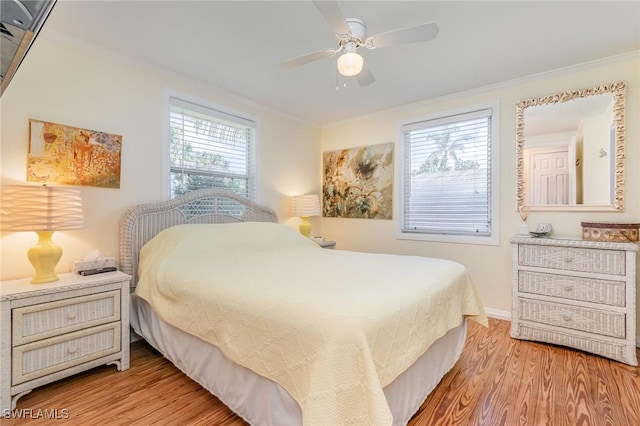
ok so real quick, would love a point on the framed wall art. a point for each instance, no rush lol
(73, 156)
(358, 182)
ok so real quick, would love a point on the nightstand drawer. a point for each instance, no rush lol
(573, 259)
(574, 317)
(573, 288)
(48, 356)
(37, 322)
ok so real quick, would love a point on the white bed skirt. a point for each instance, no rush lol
(260, 401)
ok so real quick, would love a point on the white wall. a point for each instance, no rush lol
(71, 84)
(490, 266)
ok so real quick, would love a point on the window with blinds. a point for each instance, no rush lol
(210, 148)
(447, 175)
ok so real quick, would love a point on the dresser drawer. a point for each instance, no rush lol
(574, 288)
(48, 356)
(32, 323)
(614, 350)
(574, 317)
(573, 259)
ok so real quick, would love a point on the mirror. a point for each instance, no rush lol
(570, 150)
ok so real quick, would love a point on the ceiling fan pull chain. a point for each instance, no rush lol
(344, 83)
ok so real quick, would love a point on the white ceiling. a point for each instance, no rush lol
(239, 45)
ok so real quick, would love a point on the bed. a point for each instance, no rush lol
(282, 331)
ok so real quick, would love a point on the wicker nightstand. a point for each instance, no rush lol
(54, 330)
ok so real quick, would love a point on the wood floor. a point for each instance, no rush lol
(497, 381)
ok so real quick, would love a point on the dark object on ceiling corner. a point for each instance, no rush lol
(20, 22)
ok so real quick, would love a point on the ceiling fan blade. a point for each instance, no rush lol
(333, 15)
(365, 78)
(309, 57)
(424, 32)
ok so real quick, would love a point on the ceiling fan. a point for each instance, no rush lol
(350, 34)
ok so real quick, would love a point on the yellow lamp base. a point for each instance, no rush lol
(305, 227)
(44, 257)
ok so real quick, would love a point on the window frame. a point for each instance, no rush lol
(222, 111)
(494, 205)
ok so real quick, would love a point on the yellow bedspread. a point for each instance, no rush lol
(332, 327)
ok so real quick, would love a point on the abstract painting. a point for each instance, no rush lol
(358, 182)
(73, 156)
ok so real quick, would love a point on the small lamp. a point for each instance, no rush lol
(43, 209)
(305, 206)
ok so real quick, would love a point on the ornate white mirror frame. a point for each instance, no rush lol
(618, 90)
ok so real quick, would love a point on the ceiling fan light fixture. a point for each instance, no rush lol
(350, 64)
(351, 34)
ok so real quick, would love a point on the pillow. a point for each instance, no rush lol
(228, 237)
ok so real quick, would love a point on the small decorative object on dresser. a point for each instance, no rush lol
(610, 231)
(326, 244)
(524, 226)
(543, 230)
(576, 293)
(546, 228)
(58, 329)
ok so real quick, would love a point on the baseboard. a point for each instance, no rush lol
(498, 314)
(637, 341)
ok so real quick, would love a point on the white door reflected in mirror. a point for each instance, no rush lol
(553, 180)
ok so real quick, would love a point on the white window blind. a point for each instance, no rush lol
(210, 148)
(447, 175)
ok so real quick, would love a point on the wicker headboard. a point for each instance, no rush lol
(143, 222)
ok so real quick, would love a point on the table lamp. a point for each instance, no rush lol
(43, 209)
(305, 206)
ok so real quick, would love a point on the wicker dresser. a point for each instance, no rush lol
(576, 293)
(53, 330)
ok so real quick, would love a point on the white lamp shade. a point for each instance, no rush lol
(41, 208)
(350, 64)
(305, 205)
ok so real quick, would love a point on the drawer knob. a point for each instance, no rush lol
(568, 288)
(566, 317)
(71, 314)
(72, 349)
(568, 260)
